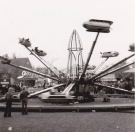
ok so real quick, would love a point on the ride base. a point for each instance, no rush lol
(36, 105)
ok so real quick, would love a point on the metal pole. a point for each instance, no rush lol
(89, 56)
(78, 64)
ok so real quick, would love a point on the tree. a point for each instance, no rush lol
(14, 56)
(6, 56)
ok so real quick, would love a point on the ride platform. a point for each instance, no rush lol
(36, 105)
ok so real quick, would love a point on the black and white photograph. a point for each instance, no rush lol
(67, 66)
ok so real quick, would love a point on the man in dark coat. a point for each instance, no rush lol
(8, 98)
(24, 98)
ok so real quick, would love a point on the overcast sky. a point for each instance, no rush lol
(49, 24)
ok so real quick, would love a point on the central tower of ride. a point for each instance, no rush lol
(75, 58)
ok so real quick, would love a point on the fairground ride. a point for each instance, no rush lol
(76, 69)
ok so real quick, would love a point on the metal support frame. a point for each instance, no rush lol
(74, 48)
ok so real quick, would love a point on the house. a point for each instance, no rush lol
(15, 72)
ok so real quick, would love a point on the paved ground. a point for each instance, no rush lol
(120, 121)
(69, 122)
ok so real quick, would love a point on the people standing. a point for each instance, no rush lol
(8, 98)
(44, 84)
(24, 98)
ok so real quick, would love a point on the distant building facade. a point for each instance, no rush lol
(15, 72)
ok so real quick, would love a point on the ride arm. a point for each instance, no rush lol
(114, 70)
(89, 56)
(68, 88)
(110, 87)
(45, 90)
(49, 66)
(112, 66)
(33, 71)
(8, 62)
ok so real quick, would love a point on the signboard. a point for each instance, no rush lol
(4, 79)
(4, 82)
(30, 75)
